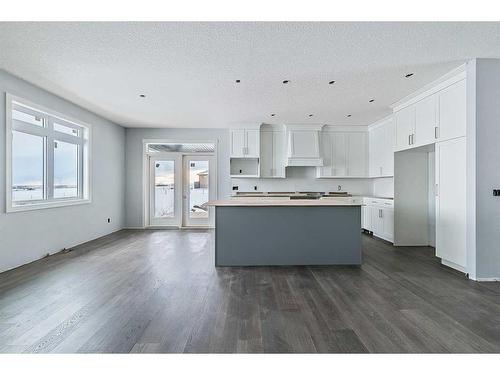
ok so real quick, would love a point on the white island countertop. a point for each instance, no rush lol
(266, 202)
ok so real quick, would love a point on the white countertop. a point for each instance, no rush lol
(266, 202)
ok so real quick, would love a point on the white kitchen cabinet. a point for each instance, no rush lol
(366, 221)
(356, 154)
(339, 154)
(451, 202)
(238, 143)
(344, 154)
(452, 111)
(245, 143)
(380, 217)
(381, 149)
(272, 154)
(405, 127)
(252, 143)
(426, 118)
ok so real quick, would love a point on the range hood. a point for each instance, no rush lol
(302, 146)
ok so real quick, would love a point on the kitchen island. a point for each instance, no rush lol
(284, 232)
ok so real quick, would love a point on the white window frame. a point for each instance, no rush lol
(83, 140)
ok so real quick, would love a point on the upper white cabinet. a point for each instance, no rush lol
(436, 115)
(272, 154)
(245, 143)
(426, 118)
(344, 154)
(452, 111)
(405, 127)
(381, 148)
(356, 154)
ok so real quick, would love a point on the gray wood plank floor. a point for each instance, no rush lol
(158, 291)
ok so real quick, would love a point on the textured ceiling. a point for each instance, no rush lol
(188, 70)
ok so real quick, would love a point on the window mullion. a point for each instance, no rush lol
(50, 160)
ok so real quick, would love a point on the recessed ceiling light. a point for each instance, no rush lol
(371, 100)
(286, 81)
(408, 75)
(349, 115)
(142, 95)
(331, 82)
(238, 81)
(311, 115)
(273, 114)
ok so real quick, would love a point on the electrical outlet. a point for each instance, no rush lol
(109, 220)
(339, 187)
(255, 187)
(235, 187)
(496, 192)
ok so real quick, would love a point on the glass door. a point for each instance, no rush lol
(165, 190)
(199, 188)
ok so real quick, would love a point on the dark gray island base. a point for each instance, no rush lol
(288, 235)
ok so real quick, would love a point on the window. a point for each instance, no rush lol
(47, 158)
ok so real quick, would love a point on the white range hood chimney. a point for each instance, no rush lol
(302, 147)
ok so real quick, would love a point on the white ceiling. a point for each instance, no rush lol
(188, 70)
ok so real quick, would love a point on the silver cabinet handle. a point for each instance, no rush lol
(409, 139)
(436, 135)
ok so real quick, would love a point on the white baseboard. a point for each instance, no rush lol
(488, 279)
(453, 265)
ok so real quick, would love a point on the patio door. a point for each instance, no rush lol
(199, 186)
(165, 197)
(180, 187)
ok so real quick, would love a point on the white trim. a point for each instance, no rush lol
(380, 123)
(146, 174)
(345, 129)
(439, 84)
(83, 141)
(453, 265)
(483, 279)
(48, 204)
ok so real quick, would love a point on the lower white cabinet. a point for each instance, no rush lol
(377, 216)
(451, 202)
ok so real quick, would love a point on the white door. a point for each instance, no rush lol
(356, 154)
(388, 223)
(326, 153)
(405, 125)
(452, 111)
(238, 143)
(387, 148)
(426, 120)
(252, 143)
(450, 201)
(165, 205)
(376, 220)
(266, 154)
(278, 154)
(366, 218)
(339, 160)
(199, 186)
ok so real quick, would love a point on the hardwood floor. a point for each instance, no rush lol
(158, 291)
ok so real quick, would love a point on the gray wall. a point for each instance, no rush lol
(487, 82)
(27, 236)
(134, 164)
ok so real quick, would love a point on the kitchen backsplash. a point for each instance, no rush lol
(303, 179)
